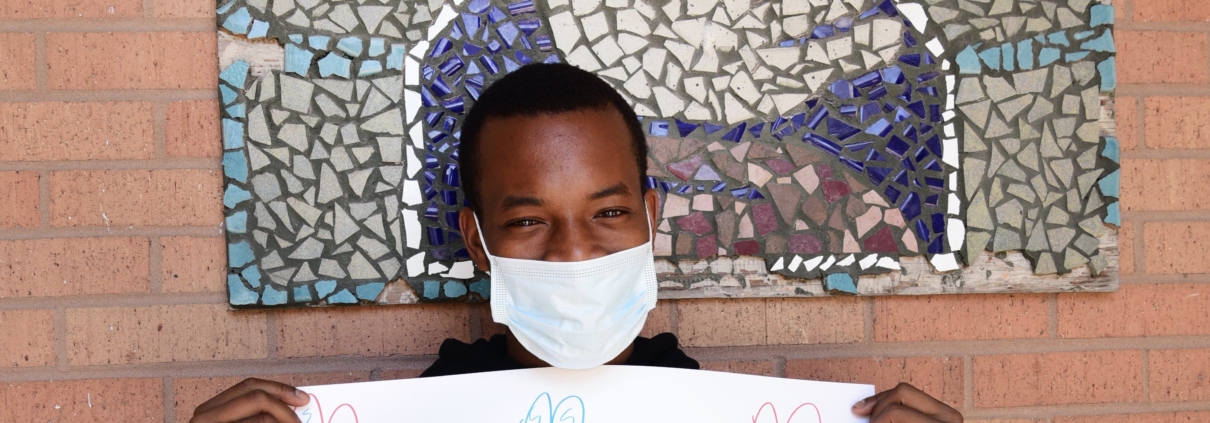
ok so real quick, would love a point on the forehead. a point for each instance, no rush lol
(581, 141)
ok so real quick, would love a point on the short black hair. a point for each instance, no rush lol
(541, 89)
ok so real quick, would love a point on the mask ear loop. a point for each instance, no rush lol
(479, 231)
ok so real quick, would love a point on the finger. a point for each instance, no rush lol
(866, 406)
(899, 413)
(286, 393)
(260, 418)
(913, 398)
(249, 405)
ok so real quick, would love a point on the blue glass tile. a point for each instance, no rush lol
(238, 294)
(930, 91)
(229, 95)
(853, 164)
(236, 74)
(968, 62)
(711, 128)
(1009, 56)
(901, 178)
(469, 49)
(922, 230)
(868, 80)
(873, 11)
(817, 118)
(841, 282)
(377, 47)
(334, 64)
(1059, 38)
(934, 145)
(911, 133)
(1048, 55)
(302, 294)
(877, 174)
(991, 58)
(848, 110)
(897, 146)
(451, 66)
(844, 90)
(1083, 34)
(1113, 214)
(1102, 43)
(798, 119)
(259, 29)
(1112, 150)
(918, 109)
(931, 201)
(823, 31)
(370, 291)
(509, 65)
(901, 115)
(841, 130)
(522, 57)
(911, 59)
(908, 39)
(342, 297)
(844, 23)
(868, 111)
(252, 275)
(719, 187)
(495, 15)
(272, 296)
(1102, 14)
(1025, 54)
(1111, 184)
(893, 75)
(454, 289)
(225, 8)
(319, 42)
(323, 288)
(472, 23)
(1108, 70)
(892, 193)
(544, 44)
(451, 175)
(351, 46)
(369, 67)
(454, 104)
(296, 38)
(395, 59)
(735, 134)
(934, 183)
(756, 129)
(238, 22)
(236, 110)
(521, 7)
(934, 165)
(235, 166)
(239, 254)
(235, 195)
(874, 156)
(432, 289)
(483, 287)
(877, 93)
(823, 143)
(233, 134)
(659, 128)
(440, 47)
(911, 206)
(441, 88)
(1076, 56)
(685, 128)
(456, 31)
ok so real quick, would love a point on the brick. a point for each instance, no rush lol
(1172, 11)
(1177, 122)
(193, 264)
(1081, 377)
(1179, 375)
(1156, 57)
(17, 61)
(488, 328)
(1126, 116)
(137, 197)
(193, 129)
(940, 377)
(1176, 247)
(188, 393)
(750, 367)
(814, 320)
(370, 331)
(959, 317)
(99, 400)
(721, 322)
(59, 9)
(183, 9)
(131, 60)
(28, 338)
(161, 334)
(400, 374)
(1168, 417)
(1173, 309)
(19, 199)
(96, 130)
(1165, 185)
(1126, 248)
(1005, 421)
(659, 320)
(70, 266)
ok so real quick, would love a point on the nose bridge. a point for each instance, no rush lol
(570, 240)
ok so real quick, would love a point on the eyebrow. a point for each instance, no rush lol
(618, 189)
(513, 201)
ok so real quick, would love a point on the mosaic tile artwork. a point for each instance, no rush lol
(800, 147)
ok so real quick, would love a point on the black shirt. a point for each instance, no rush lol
(457, 357)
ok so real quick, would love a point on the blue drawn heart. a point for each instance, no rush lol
(569, 410)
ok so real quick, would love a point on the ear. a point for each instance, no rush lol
(470, 235)
(652, 198)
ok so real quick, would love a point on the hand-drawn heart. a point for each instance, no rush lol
(314, 410)
(569, 410)
(771, 416)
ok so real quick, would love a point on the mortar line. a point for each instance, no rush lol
(1052, 315)
(674, 319)
(1163, 90)
(779, 366)
(1167, 216)
(1140, 123)
(1140, 248)
(43, 199)
(101, 231)
(271, 335)
(1163, 26)
(131, 164)
(169, 401)
(1146, 375)
(46, 95)
(474, 317)
(62, 363)
(159, 128)
(1127, 11)
(142, 24)
(968, 383)
(40, 60)
(1045, 411)
(868, 321)
(1165, 154)
(219, 368)
(112, 300)
(155, 266)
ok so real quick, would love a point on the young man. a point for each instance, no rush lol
(560, 217)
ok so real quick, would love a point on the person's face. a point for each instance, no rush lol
(558, 188)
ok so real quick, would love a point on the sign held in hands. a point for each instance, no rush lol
(603, 394)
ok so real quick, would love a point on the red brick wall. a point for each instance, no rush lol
(112, 306)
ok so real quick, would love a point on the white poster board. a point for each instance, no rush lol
(603, 394)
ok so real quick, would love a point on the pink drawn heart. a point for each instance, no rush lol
(306, 416)
(804, 419)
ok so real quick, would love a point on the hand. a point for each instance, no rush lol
(253, 400)
(906, 404)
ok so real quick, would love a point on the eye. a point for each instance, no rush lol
(520, 223)
(611, 213)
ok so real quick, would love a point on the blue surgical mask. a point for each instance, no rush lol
(574, 315)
